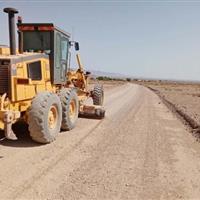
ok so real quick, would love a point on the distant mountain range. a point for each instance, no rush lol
(96, 73)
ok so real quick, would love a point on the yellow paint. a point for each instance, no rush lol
(40, 88)
(28, 90)
(19, 93)
(4, 50)
(1, 125)
(24, 89)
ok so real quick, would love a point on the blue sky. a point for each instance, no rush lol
(154, 39)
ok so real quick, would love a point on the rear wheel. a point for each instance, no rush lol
(44, 117)
(98, 95)
(70, 108)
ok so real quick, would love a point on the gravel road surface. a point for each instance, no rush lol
(139, 151)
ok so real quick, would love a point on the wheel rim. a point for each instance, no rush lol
(72, 110)
(52, 117)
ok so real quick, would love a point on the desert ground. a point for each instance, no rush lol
(140, 150)
(182, 98)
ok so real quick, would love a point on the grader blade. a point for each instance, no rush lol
(92, 111)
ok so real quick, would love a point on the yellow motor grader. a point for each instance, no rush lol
(37, 85)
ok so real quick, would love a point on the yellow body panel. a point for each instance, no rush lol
(40, 87)
(24, 92)
(1, 125)
(19, 93)
(4, 50)
(1, 121)
(23, 89)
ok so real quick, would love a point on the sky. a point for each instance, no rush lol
(138, 38)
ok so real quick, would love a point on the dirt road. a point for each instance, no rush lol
(139, 151)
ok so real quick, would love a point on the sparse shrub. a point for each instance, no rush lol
(104, 78)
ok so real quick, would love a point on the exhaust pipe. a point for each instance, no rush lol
(11, 21)
(20, 36)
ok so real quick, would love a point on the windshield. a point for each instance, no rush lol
(36, 41)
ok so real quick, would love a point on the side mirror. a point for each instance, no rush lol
(76, 45)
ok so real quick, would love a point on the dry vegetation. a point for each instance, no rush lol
(183, 98)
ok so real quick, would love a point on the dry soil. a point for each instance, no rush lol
(139, 151)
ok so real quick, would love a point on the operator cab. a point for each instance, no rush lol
(48, 39)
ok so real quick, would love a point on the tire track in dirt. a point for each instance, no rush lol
(139, 151)
(43, 167)
(101, 141)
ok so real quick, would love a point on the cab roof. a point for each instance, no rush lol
(41, 27)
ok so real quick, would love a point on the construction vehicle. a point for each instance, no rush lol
(36, 84)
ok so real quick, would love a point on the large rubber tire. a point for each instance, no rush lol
(44, 117)
(98, 95)
(70, 108)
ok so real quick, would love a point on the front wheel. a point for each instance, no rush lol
(98, 95)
